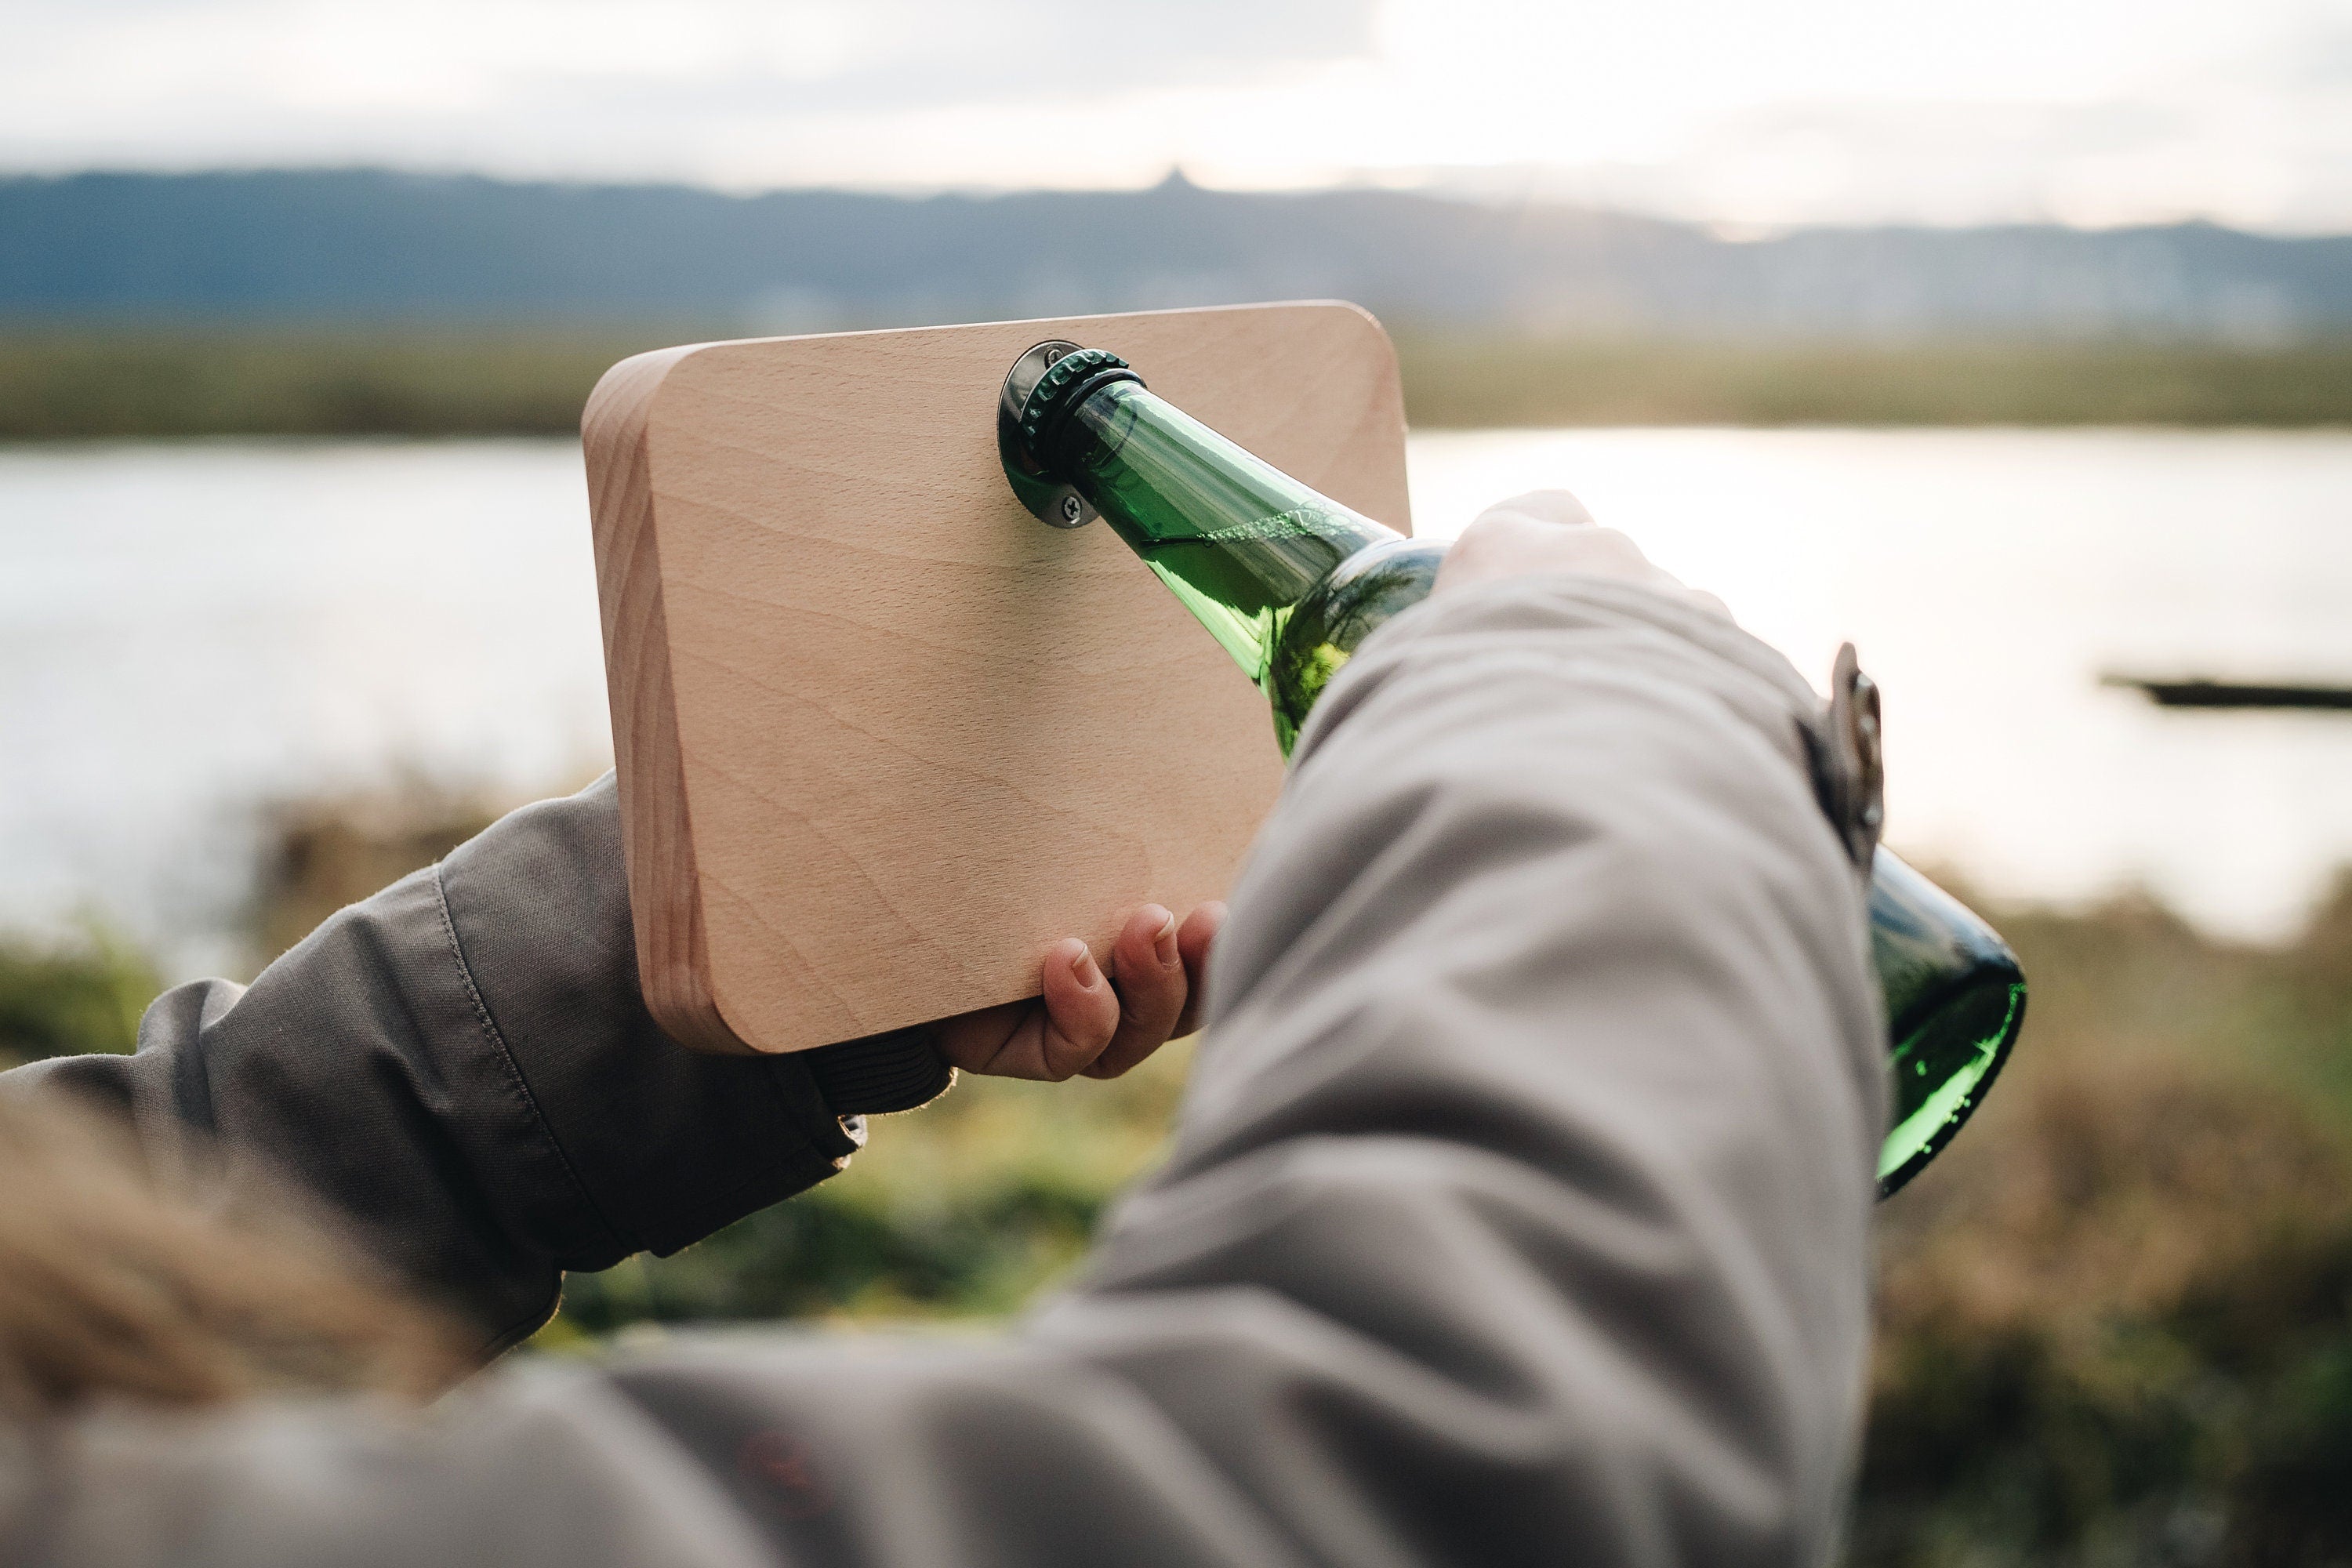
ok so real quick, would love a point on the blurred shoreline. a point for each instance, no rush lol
(59, 384)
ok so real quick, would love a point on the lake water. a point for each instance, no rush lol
(188, 631)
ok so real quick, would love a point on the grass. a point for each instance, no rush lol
(77, 994)
(963, 1210)
(58, 384)
(1474, 384)
(2114, 1321)
(2114, 1318)
(72, 385)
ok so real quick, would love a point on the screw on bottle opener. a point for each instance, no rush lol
(1049, 500)
(1850, 759)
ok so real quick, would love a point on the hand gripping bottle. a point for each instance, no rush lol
(1290, 581)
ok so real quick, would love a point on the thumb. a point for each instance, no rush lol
(1557, 507)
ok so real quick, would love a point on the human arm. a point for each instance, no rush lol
(1517, 1211)
(463, 1070)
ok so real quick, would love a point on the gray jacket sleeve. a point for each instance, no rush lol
(1517, 1211)
(463, 1069)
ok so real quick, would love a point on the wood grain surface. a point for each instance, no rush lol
(883, 737)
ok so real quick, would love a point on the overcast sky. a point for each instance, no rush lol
(1742, 112)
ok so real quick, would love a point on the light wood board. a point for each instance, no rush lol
(883, 736)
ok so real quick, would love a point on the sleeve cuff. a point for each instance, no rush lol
(879, 1074)
(662, 1144)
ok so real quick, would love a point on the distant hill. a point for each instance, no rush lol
(366, 245)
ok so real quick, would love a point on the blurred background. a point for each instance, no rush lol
(2012, 341)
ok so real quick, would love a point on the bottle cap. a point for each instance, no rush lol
(1066, 383)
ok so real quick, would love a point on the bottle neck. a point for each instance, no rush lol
(1238, 540)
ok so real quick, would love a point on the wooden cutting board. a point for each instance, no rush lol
(883, 736)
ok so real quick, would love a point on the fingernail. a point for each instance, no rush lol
(1164, 940)
(1084, 967)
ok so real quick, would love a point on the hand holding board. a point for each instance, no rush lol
(883, 736)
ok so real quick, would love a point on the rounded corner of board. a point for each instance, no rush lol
(694, 1020)
(624, 395)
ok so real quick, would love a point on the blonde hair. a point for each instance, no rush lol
(168, 1286)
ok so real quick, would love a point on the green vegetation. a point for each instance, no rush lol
(61, 384)
(1472, 383)
(2115, 1319)
(72, 997)
(964, 1209)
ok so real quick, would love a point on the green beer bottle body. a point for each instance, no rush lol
(1290, 581)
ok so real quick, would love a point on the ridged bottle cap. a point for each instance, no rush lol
(1056, 391)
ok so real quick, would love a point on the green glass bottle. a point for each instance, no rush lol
(1290, 581)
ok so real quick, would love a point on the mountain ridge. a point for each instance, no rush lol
(367, 244)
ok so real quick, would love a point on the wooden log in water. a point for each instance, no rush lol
(2198, 692)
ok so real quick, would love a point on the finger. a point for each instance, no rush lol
(1550, 531)
(1147, 971)
(970, 1041)
(1080, 1017)
(1503, 542)
(1052, 1037)
(1192, 941)
(1554, 508)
